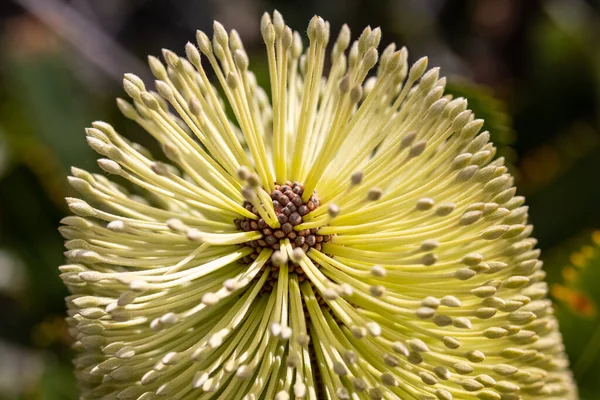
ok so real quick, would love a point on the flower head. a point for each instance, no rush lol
(349, 235)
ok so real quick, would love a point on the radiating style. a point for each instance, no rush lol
(347, 234)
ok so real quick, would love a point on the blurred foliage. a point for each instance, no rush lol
(493, 111)
(531, 69)
(578, 305)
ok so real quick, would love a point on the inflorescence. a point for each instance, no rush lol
(349, 235)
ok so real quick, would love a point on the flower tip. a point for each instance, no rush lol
(134, 79)
(279, 258)
(243, 173)
(287, 37)
(333, 210)
(91, 276)
(356, 94)
(116, 226)
(192, 53)
(209, 299)
(377, 290)
(127, 109)
(374, 194)
(248, 193)
(131, 89)
(303, 339)
(164, 90)
(244, 372)
(378, 271)
(417, 149)
(176, 225)
(159, 168)
(282, 395)
(139, 286)
(278, 22)
(241, 59)
(204, 43)
(429, 244)
(231, 285)
(418, 68)
(330, 294)
(80, 185)
(254, 180)
(268, 33)
(299, 389)
(80, 207)
(297, 255)
(171, 151)
(171, 58)
(220, 33)
(356, 178)
(425, 204)
(194, 235)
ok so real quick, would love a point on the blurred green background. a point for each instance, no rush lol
(530, 68)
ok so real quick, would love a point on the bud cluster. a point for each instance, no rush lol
(290, 209)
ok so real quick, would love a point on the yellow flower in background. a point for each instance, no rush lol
(349, 235)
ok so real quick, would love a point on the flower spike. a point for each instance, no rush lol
(352, 238)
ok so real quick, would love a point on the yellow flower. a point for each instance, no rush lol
(349, 236)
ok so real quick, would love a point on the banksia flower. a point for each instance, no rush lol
(348, 235)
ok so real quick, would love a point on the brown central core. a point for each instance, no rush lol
(290, 210)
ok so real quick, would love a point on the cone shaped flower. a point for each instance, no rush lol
(347, 235)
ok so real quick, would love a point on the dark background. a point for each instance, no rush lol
(530, 68)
